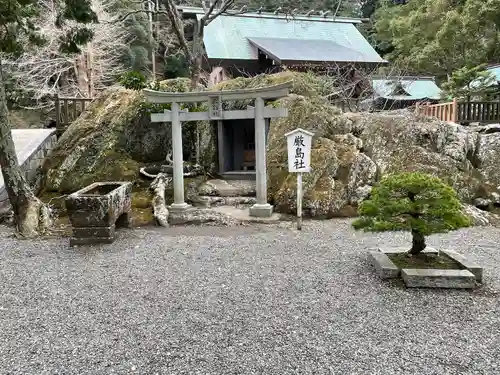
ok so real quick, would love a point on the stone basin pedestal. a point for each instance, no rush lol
(96, 210)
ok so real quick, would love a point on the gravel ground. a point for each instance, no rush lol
(246, 300)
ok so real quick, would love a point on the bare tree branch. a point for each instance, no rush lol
(178, 28)
(45, 71)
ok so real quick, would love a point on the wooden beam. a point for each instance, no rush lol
(270, 92)
(269, 112)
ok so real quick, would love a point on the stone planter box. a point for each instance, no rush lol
(467, 276)
(97, 209)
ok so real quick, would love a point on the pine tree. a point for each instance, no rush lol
(138, 55)
(469, 82)
(415, 202)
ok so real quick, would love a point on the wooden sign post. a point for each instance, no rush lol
(299, 161)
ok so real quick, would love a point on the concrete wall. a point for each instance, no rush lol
(32, 145)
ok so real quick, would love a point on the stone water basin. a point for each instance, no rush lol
(96, 210)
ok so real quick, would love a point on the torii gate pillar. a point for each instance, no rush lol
(177, 158)
(262, 208)
(215, 98)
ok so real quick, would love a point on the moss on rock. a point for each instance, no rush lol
(327, 189)
(306, 84)
(351, 151)
(114, 136)
(401, 143)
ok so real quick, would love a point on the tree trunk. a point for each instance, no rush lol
(196, 71)
(31, 216)
(418, 242)
(195, 80)
(80, 66)
(90, 71)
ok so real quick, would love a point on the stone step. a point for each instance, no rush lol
(213, 201)
(223, 188)
(239, 175)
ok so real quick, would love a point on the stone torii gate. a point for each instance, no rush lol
(216, 113)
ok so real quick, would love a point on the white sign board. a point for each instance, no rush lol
(299, 150)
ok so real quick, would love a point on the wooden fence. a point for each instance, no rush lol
(68, 110)
(483, 112)
(443, 111)
(463, 112)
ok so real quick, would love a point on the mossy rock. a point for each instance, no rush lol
(487, 156)
(327, 187)
(338, 169)
(404, 143)
(350, 152)
(114, 136)
(307, 84)
(141, 198)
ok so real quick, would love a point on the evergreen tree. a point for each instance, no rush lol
(138, 56)
(414, 202)
(469, 82)
(18, 32)
(439, 36)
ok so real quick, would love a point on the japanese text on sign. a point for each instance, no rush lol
(299, 150)
(299, 153)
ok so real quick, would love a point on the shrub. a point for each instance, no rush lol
(415, 202)
(133, 80)
(175, 67)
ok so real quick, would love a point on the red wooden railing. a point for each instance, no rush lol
(463, 112)
(443, 111)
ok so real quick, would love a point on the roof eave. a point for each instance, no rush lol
(401, 78)
(267, 52)
(295, 62)
(187, 10)
(284, 61)
(389, 97)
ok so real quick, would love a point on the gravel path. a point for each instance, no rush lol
(248, 300)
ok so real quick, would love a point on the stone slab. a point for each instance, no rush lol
(223, 188)
(86, 232)
(433, 278)
(386, 269)
(73, 241)
(476, 269)
(212, 201)
(243, 215)
(261, 210)
(400, 249)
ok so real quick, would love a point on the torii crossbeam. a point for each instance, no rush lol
(215, 99)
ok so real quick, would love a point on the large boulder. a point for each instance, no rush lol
(351, 152)
(339, 170)
(114, 136)
(341, 174)
(399, 142)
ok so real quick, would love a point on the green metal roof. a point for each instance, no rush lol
(414, 88)
(227, 36)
